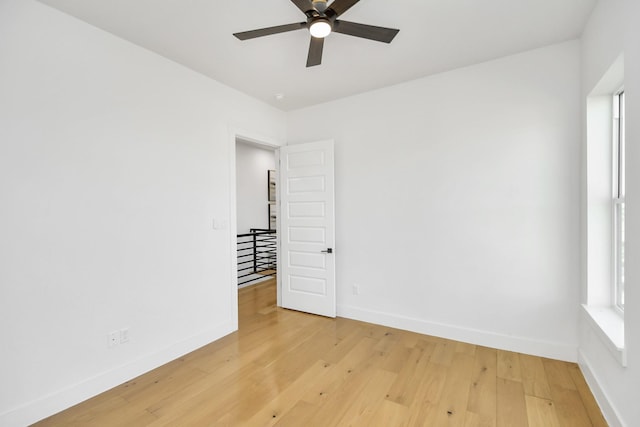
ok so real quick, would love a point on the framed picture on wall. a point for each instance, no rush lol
(271, 181)
(272, 216)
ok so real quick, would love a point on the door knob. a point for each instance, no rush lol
(327, 251)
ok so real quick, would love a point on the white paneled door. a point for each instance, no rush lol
(307, 230)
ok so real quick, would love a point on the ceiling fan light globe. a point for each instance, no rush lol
(320, 28)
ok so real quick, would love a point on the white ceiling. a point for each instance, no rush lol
(435, 36)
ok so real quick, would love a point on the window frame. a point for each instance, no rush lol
(618, 200)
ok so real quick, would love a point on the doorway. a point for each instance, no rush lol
(251, 157)
(255, 213)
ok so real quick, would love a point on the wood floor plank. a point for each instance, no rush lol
(196, 407)
(462, 347)
(566, 399)
(509, 365)
(534, 377)
(558, 373)
(412, 339)
(279, 369)
(285, 368)
(112, 411)
(302, 414)
(397, 358)
(443, 353)
(361, 411)
(452, 405)
(479, 420)
(541, 412)
(395, 351)
(589, 402)
(388, 414)
(357, 360)
(272, 412)
(344, 343)
(510, 404)
(482, 391)
(356, 381)
(404, 389)
(163, 389)
(569, 408)
(425, 404)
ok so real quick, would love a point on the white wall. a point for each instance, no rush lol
(612, 29)
(473, 175)
(252, 164)
(113, 164)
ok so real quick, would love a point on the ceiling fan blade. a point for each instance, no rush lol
(246, 35)
(306, 7)
(315, 51)
(338, 7)
(371, 32)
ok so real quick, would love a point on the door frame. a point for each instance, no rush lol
(262, 141)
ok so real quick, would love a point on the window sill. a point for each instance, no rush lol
(609, 325)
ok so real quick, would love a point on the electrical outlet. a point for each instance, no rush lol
(356, 289)
(113, 338)
(124, 335)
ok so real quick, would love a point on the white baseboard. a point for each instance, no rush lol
(608, 411)
(53, 403)
(551, 350)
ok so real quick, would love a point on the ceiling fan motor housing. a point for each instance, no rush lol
(320, 5)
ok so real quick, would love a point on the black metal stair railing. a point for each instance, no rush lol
(257, 255)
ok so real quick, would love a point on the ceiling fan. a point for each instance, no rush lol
(322, 19)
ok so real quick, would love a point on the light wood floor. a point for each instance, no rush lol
(287, 368)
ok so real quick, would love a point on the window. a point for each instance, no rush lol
(618, 198)
(604, 210)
